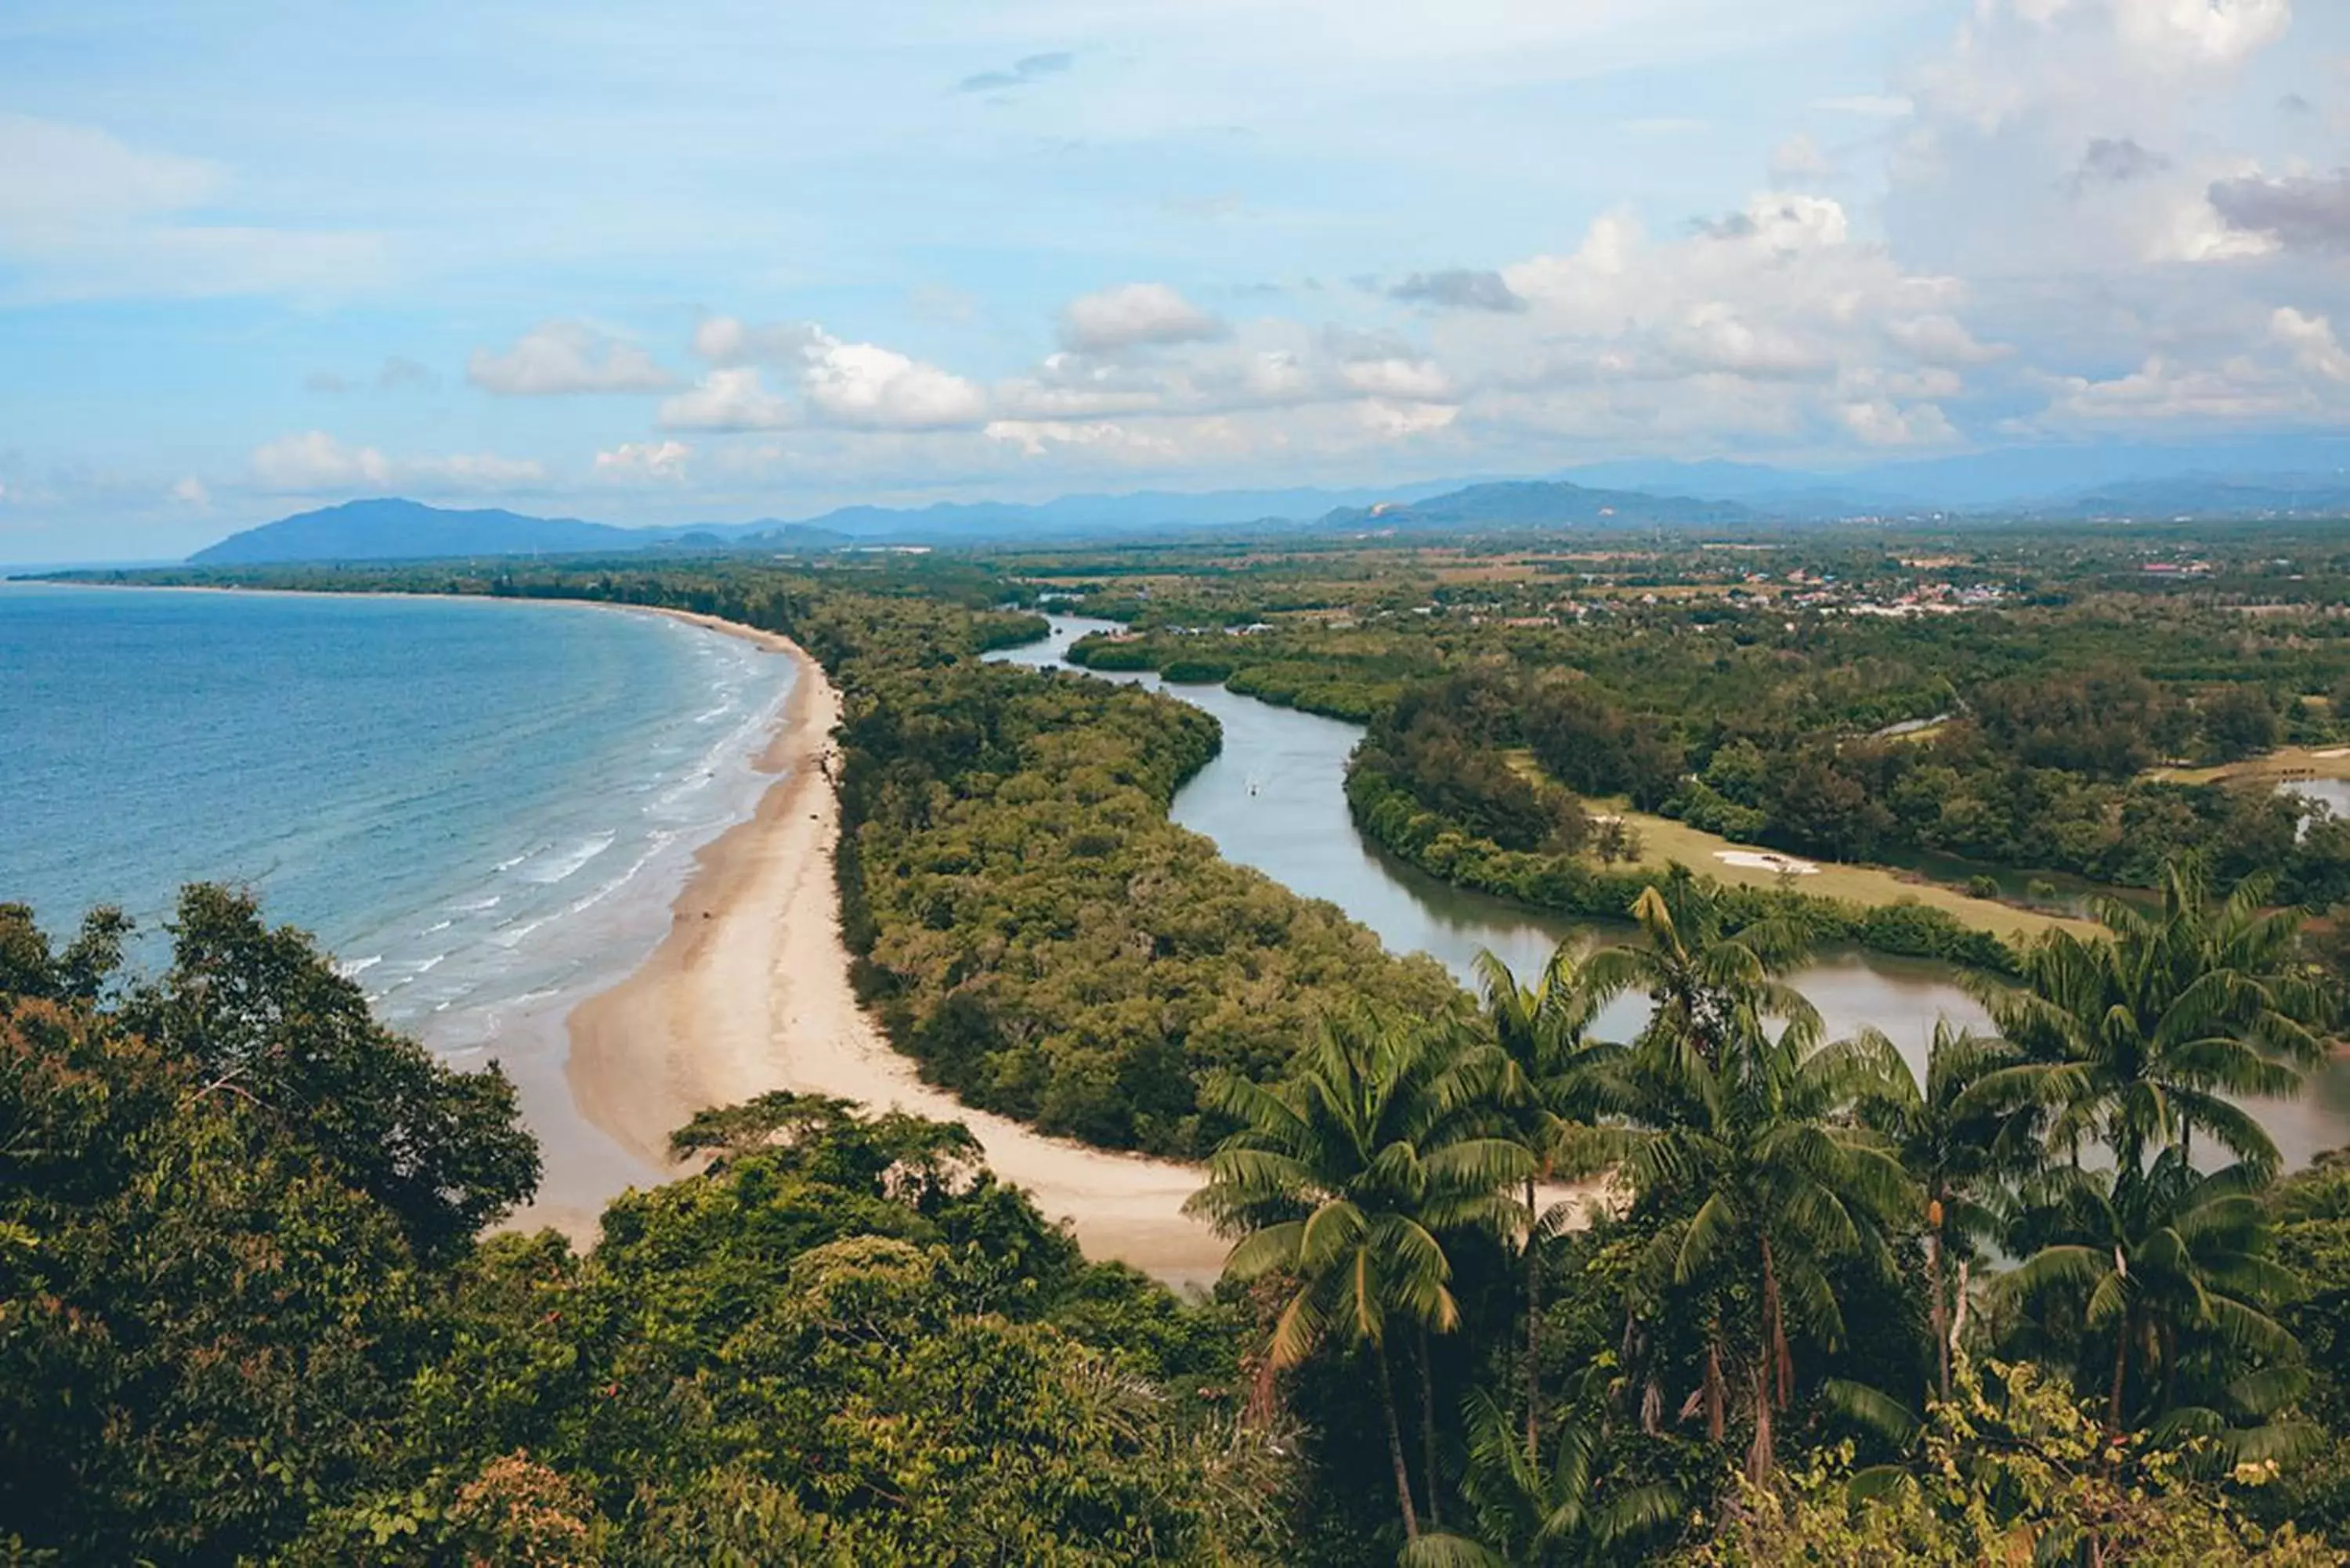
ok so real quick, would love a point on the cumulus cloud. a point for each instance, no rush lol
(1457, 288)
(729, 400)
(316, 462)
(2301, 212)
(640, 461)
(855, 385)
(866, 385)
(1132, 315)
(560, 358)
(2311, 342)
(730, 341)
(192, 492)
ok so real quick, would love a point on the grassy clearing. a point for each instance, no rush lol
(2281, 766)
(1664, 840)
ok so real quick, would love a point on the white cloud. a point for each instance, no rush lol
(563, 358)
(859, 386)
(638, 461)
(316, 462)
(1879, 422)
(1132, 315)
(728, 341)
(191, 491)
(727, 401)
(85, 215)
(863, 384)
(2311, 342)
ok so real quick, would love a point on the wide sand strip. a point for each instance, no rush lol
(749, 992)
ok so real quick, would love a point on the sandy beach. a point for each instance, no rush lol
(749, 991)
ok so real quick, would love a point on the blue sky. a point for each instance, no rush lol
(732, 260)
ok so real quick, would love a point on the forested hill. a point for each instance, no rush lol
(393, 530)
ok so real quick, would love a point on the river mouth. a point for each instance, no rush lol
(1274, 798)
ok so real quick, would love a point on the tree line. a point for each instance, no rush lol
(2033, 1304)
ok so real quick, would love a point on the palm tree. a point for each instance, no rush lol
(1345, 1178)
(1952, 1136)
(1543, 1071)
(2139, 1035)
(1700, 977)
(2168, 1272)
(1743, 1147)
(1528, 1512)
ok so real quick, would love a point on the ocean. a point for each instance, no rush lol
(482, 808)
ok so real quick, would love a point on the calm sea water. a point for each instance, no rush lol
(483, 809)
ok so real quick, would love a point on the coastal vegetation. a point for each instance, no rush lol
(1828, 1312)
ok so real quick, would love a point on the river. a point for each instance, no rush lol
(1274, 798)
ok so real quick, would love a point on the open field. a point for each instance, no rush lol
(1664, 840)
(2281, 766)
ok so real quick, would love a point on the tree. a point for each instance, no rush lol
(1528, 1512)
(1745, 1161)
(1700, 977)
(2007, 1470)
(1342, 1180)
(1543, 1087)
(2162, 1273)
(262, 1019)
(2139, 1036)
(1950, 1136)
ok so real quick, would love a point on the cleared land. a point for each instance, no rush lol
(2281, 766)
(1664, 840)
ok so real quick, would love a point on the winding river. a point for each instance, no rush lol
(1274, 798)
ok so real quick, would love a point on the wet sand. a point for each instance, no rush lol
(749, 991)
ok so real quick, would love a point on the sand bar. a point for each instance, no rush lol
(750, 992)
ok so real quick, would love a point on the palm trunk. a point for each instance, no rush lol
(1533, 1335)
(1763, 1457)
(1427, 1426)
(1941, 1308)
(1782, 1361)
(1715, 1400)
(1395, 1444)
(2121, 1370)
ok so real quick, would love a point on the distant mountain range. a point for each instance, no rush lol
(2057, 484)
(1538, 504)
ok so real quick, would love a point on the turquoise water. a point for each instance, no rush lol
(483, 809)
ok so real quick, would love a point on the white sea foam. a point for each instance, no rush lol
(564, 864)
(351, 968)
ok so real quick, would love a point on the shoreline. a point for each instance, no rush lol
(749, 991)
